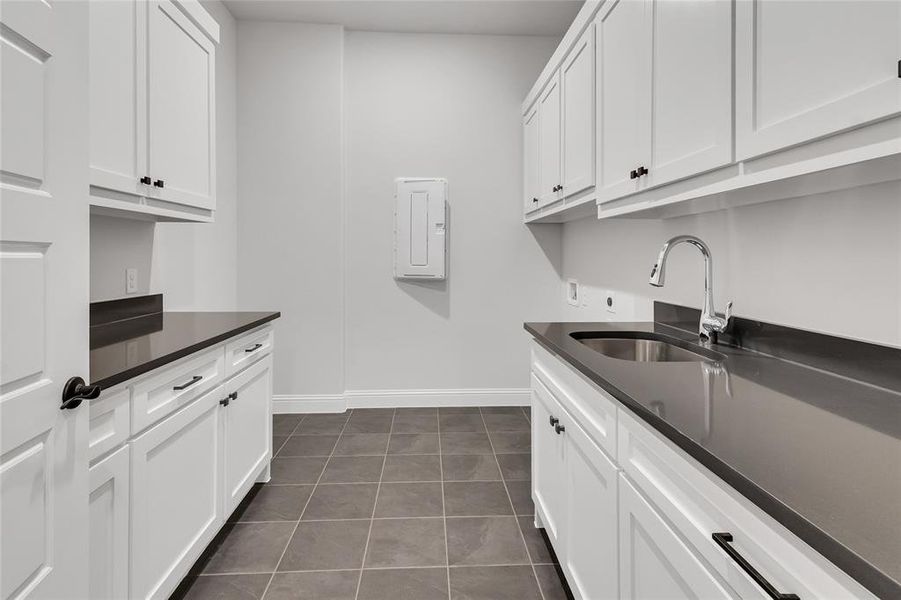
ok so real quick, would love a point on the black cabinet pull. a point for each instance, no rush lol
(75, 391)
(554, 421)
(183, 386)
(225, 401)
(559, 428)
(159, 183)
(233, 395)
(642, 171)
(534, 199)
(633, 174)
(145, 180)
(722, 540)
(254, 349)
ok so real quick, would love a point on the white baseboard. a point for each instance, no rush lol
(290, 404)
(401, 399)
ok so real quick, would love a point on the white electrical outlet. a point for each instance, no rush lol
(610, 301)
(573, 294)
(131, 281)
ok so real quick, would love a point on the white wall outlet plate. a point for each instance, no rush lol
(610, 301)
(573, 293)
(131, 281)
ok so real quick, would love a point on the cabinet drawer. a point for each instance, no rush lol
(108, 422)
(594, 410)
(247, 349)
(699, 504)
(174, 386)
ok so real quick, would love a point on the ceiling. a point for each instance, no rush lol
(500, 17)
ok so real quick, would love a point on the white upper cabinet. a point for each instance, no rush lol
(625, 90)
(578, 86)
(181, 110)
(844, 74)
(152, 74)
(549, 172)
(531, 187)
(118, 94)
(665, 93)
(691, 83)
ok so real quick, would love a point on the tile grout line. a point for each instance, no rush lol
(378, 490)
(443, 506)
(512, 507)
(306, 504)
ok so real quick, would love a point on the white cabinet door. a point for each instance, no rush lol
(624, 43)
(43, 298)
(692, 89)
(530, 140)
(108, 527)
(549, 178)
(578, 85)
(790, 87)
(548, 462)
(246, 422)
(176, 508)
(653, 561)
(118, 85)
(181, 111)
(590, 557)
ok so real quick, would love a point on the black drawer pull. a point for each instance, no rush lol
(145, 180)
(554, 421)
(633, 174)
(183, 386)
(159, 183)
(722, 540)
(254, 349)
(559, 428)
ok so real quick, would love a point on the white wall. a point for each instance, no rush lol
(192, 265)
(829, 263)
(289, 178)
(443, 106)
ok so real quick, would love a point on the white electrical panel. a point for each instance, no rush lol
(420, 228)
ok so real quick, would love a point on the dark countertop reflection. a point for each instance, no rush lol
(818, 451)
(124, 349)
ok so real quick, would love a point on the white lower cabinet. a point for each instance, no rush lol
(630, 515)
(654, 561)
(589, 550)
(108, 527)
(163, 483)
(246, 426)
(176, 507)
(548, 475)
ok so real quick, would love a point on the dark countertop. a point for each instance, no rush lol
(818, 451)
(127, 348)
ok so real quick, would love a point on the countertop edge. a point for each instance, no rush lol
(855, 566)
(131, 373)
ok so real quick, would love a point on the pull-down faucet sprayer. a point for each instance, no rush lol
(710, 323)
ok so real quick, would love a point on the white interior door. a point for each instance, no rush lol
(43, 298)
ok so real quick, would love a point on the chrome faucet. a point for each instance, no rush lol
(710, 323)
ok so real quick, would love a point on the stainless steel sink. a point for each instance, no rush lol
(644, 347)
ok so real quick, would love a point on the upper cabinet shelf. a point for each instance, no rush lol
(153, 135)
(700, 105)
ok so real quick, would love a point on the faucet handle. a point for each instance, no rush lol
(728, 312)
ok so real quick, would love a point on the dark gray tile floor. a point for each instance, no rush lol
(379, 504)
